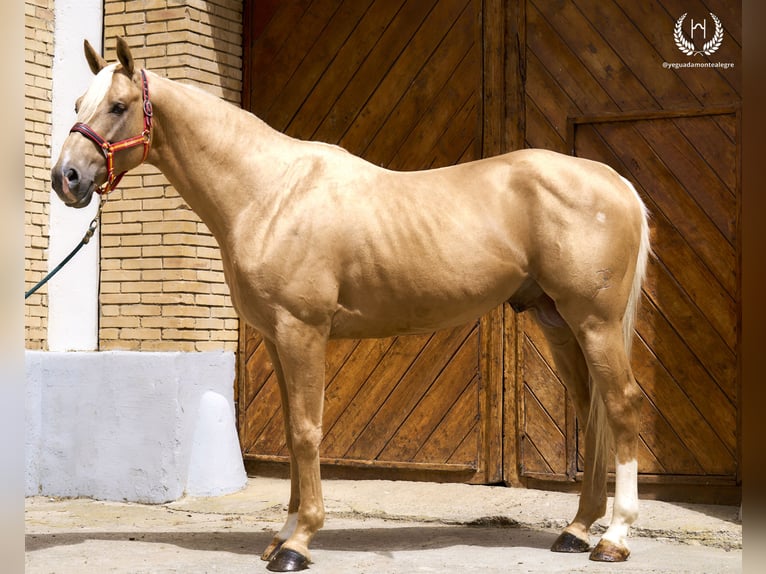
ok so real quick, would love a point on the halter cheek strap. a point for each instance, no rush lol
(109, 148)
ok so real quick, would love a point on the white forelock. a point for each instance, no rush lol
(95, 93)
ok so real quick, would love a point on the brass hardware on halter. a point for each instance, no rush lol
(108, 148)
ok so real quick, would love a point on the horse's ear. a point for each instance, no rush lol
(124, 56)
(95, 61)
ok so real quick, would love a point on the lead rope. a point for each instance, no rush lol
(86, 238)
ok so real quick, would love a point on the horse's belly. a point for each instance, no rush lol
(348, 324)
(412, 309)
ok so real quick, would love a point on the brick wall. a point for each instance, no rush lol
(38, 62)
(162, 285)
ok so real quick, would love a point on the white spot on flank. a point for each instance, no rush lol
(96, 92)
(601, 217)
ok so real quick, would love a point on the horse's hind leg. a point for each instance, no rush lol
(295, 498)
(604, 349)
(573, 370)
(301, 353)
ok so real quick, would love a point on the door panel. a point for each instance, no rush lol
(413, 84)
(596, 87)
(685, 350)
(399, 83)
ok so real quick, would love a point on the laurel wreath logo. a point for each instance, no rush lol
(687, 46)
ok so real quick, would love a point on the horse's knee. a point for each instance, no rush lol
(305, 441)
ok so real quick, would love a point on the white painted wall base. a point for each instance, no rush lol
(135, 426)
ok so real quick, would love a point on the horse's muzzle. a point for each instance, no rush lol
(71, 187)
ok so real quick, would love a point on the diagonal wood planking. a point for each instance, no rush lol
(592, 58)
(377, 77)
(398, 82)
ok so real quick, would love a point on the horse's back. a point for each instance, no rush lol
(398, 252)
(432, 248)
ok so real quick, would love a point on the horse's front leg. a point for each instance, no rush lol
(295, 498)
(301, 352)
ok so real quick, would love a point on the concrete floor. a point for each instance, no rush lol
(375, 527)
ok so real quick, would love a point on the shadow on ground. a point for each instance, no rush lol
(374, 540)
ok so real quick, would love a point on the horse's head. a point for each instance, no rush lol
(112, 132)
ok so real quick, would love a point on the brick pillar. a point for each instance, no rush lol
(162, 285)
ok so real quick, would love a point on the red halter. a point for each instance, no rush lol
(108, 148)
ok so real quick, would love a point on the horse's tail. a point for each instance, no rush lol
(642, 258)
(597, 415)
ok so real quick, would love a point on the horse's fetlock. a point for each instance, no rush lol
(312, 517)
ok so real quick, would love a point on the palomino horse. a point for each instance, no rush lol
(318, 243)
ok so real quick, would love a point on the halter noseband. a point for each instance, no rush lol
(108, 148)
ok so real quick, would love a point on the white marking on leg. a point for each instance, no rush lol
(625, 510)
(289, 527)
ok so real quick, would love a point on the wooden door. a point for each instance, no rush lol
(422, 83)
(596, 86)
(401, 83)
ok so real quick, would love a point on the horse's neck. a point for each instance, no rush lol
(219, 158)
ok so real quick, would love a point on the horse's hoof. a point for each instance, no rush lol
(286, 560)
(568, 542)
(272, 550)
(606, 551)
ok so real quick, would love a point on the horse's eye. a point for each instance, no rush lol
(118, 108)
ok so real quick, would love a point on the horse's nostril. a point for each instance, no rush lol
(72, 176)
